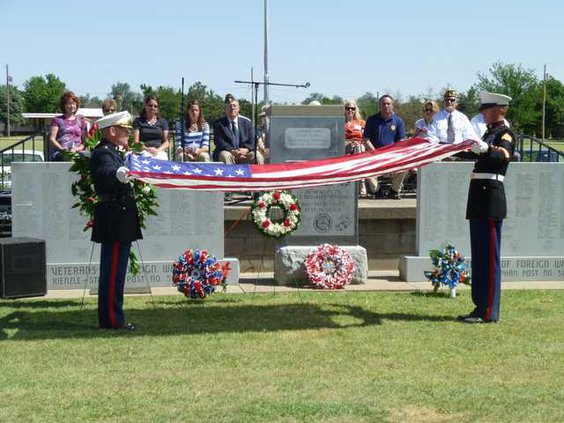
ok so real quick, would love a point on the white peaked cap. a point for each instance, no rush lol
(122, 119)
(494, 99)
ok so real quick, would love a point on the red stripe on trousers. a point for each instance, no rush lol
(493, 249)
(112, 284)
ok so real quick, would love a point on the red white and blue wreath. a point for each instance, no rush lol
(270, 226)
(329, 267)
(450, 268)
(196, 273)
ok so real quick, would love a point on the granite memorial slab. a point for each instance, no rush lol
(42, 208)
(532, 245)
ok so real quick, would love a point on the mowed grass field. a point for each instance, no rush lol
(285, 357)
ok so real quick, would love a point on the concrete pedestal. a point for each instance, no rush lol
(289, 264)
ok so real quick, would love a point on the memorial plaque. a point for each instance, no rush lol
(532, 243)
(42, 208)
(298, 133)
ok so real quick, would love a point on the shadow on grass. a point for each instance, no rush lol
(191, 318)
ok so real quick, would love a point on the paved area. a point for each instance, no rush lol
(377, 281)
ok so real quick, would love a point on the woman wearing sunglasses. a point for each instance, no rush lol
(151, 130)
(354, 128)
(430, 108)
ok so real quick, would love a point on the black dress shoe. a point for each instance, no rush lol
(477, 319)
(465, 316)
(393, 195)
(379, 194)
(130, 327)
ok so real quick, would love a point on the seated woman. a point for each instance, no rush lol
(430, 109)
(354, 127)
(68, 132)
(151, 130)
(193, 143)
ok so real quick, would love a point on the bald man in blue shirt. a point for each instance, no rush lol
(385, 128)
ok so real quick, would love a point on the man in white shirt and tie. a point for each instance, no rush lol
(450, 126)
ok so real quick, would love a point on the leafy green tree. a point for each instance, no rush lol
(16, 107)
(323, 99)
(126, 98)
(43, 94)
(87, 101)
(522, 86)
(554, 108)
(469, 102)
(368, 104)
(409, 111)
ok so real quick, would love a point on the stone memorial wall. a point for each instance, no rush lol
(532, 245)
(42, 208)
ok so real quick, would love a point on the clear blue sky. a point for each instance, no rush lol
(341, 48)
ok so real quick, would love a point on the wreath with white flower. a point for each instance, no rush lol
(196, 273)
(329, 267)
(450, 268)
(276, 227)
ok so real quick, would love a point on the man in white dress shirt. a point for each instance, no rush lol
(449, 125)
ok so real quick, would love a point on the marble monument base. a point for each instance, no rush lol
(513, 269)
(151, 274)
(289, 264)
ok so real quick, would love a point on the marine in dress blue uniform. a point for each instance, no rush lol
(116, 218)
(487, 207)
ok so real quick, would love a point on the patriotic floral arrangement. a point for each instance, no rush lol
(329, 267)
(270, 226)
(83, 189)
(196, 273)
(450, 268)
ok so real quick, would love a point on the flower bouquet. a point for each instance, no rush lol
(196, 273)
(329, 267)
(450, 269)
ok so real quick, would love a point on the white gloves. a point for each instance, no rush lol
(122, 175)
(480, 147)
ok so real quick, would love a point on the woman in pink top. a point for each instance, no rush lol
(68, 132)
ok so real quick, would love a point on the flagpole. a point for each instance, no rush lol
(7, 101)
(266, 77)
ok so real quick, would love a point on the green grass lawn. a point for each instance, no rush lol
(295, 357)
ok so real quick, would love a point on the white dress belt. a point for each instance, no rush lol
(492, 176)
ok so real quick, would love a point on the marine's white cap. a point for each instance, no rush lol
(488, 99)
(122, 119)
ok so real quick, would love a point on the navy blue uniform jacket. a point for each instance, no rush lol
(116, 217)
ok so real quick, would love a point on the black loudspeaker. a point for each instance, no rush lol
(22, 268)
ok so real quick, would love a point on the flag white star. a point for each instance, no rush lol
(239, 172)
(219, 172)
(198, 170)
(175, 167)
(145, 162)
(157, 167)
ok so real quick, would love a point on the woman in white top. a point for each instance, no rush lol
(430, 109)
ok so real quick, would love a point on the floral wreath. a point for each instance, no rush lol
(280, 227)
(329, 267)
(83, 188)
(196, 273)
(450, 268)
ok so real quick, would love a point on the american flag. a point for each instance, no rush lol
(398, 157)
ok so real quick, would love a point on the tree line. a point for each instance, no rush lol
(42, 94)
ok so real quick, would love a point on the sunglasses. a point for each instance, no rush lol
(428, 110)
(450, 100)
(350, 108)
(109, 110)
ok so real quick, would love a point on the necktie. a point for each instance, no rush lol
(450, 130)
(235, 134)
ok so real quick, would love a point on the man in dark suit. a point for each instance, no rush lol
(116, 218)
(234, 137)
(487, 208)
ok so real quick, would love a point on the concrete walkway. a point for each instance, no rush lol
(377, 281)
